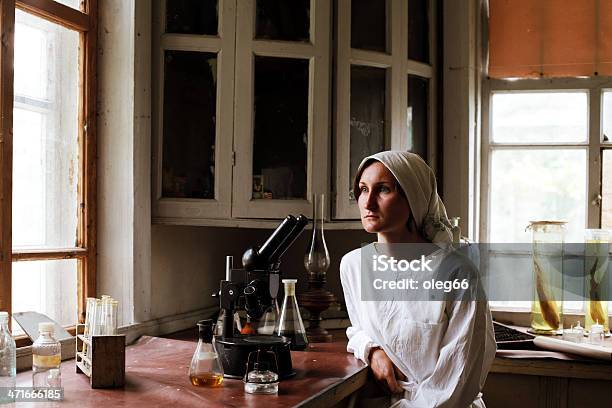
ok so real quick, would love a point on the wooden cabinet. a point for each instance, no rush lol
(543, 383)
(245, 109)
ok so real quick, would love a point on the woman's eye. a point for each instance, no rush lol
(363, 189)
(385, 189)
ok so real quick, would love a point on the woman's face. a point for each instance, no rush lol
(382, 206)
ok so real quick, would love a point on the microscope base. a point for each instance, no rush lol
(234, 353)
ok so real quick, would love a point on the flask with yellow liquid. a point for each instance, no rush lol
(46, 358)
(205, 369)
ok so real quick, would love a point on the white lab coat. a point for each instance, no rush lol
(444, 348)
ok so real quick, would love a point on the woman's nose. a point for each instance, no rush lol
(370, 201)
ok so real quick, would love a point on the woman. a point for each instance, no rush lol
(425, 353)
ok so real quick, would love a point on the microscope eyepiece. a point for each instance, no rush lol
(261, 258)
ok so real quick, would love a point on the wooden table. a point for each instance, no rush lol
(157, 376)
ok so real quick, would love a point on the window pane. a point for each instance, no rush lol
(369, 25)
(45, 136)
(418, 113)
(606, 189)
(418, 30)
(536, 184)
(47, 287)
(192, 16)
(607, 116)
(75, 4)
(283, 20)
(539, 117)
(190, 105)
(280, 142)
(368, 100)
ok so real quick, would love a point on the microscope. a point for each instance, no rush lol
(254, 289)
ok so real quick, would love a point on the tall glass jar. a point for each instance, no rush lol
(547, 305)
(596, 252)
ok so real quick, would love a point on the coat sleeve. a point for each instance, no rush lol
(359, 342)
(466, 353)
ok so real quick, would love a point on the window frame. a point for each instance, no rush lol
(84, 21)
(398, 67)
(594, 146)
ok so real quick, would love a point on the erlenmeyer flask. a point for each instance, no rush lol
(290, 323)
(269, 321)
(205, 369)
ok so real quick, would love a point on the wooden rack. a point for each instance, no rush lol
(105, 366)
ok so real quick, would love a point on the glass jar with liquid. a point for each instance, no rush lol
(205, 369)
(547, 261)
(596, 259)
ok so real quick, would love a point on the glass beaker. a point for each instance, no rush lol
(205, 369)
(596, 253)
(290, 324)
(547, 305)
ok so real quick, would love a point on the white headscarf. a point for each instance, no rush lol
(418, 181)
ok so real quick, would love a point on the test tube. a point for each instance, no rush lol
(97, 318)
(114, 305)
(94, 321)
(91, 302)
(88, 318)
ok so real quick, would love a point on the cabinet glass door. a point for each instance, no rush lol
(193, 56)
(384, 87)
(281, 109)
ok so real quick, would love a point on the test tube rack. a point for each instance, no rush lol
(105, 365)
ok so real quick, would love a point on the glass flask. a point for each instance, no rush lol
(290, 324)
(316, 260)
(269, 321)
(8, 360)
(46, 358)
(205, 369)
(597, 247)
(547, 305)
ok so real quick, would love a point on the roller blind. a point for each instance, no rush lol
(550, 38)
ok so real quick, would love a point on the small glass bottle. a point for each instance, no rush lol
(261, 380)
(290, 324)
(596, 335)
(205, 369)
(8, 359)
(574, 334)
(46, 358)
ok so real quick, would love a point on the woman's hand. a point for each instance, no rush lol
(385, 371)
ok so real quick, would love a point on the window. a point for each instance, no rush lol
(546, 120)
(47, 245)
(546, 156)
